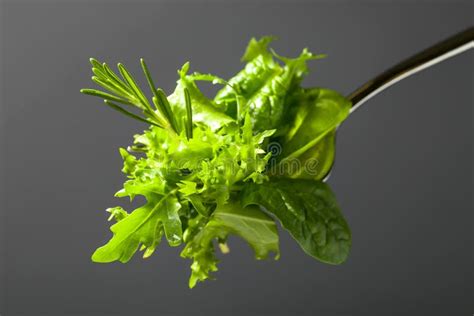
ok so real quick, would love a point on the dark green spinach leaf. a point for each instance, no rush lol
(308, 145)
(308, 210)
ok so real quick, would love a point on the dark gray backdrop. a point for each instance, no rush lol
(403, 175)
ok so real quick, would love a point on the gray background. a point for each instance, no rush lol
(403, 175)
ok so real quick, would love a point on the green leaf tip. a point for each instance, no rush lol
(257, 47)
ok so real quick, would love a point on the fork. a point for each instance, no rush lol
(450, 47)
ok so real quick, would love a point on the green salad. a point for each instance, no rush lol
(256, 153)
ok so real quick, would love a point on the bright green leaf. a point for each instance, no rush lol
(250, 223)
(140, 227)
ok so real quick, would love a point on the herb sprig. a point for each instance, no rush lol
(126, 91)
(233, 164)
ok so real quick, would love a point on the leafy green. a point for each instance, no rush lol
(315, 163)
(143, 226)
(308, 145)
(204, 110)
(319, 111)
(263, 85)
(208, 168)
(250, 223)
(215, 162)
(259, 69)
(308, 210)
(125, 91)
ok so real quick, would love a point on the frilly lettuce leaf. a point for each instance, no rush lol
(250, 223)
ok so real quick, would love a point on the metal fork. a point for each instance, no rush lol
(431, 56)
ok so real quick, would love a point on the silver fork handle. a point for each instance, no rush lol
(433, 55)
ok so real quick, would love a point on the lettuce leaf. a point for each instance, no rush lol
(250, 223)
(262, 87)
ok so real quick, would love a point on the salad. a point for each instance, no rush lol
(254, 155)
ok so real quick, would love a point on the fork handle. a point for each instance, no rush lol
(450, 47)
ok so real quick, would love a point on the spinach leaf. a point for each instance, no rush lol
(316, 162)
(308, 210)
(308, 146)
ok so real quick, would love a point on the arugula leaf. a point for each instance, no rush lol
(308, 210)
(143, 226)
(250, 223)
(117, 213)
